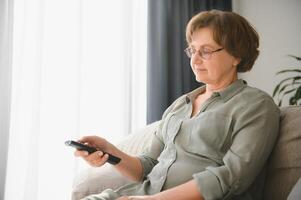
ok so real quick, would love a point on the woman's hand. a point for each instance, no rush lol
(97, 158)
(137, 198)
(129, 166)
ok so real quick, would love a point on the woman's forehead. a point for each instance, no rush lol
(203, 37)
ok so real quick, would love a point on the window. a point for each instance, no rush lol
(79, 68)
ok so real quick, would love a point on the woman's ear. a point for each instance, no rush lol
(236, 61)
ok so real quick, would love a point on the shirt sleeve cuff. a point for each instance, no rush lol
(208, 185)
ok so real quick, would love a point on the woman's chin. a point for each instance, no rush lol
(200, 78)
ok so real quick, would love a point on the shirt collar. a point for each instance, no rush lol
(225, 94)
(192, 95)
(232, 89)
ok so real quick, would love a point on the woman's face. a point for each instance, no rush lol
(219, 67)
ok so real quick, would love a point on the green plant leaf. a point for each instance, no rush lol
(280, 103)
(289, 84)
(298, 94)
(284, 87)
(292, 101)
(282, 82)
(289, 70)
(295, 79)
(289, 91)
(296, 57)
(276, 89)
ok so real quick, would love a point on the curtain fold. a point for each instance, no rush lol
(168, 69)
(5, 84)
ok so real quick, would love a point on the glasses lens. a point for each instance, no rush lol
(205, 54)
(188, 52)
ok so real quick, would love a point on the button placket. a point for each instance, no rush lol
(170, 156)
(176, 129)
(169, 153)
(208, 102)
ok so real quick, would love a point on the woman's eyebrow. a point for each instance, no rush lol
(202, 46)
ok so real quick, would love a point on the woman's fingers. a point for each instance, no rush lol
(79, 153)
(101, 161)
(95, 159)
(95, 141)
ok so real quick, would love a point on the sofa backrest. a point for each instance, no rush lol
(284, 165)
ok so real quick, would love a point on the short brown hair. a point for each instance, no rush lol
(231, 31)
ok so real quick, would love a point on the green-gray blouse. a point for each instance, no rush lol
(223, 148)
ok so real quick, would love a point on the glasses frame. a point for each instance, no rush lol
(200, 52)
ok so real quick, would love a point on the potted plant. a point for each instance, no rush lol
(290, 86)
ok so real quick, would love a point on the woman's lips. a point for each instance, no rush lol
(200, 69)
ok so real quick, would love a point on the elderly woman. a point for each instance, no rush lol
(213, 142)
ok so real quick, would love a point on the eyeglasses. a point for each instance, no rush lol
(203, 52)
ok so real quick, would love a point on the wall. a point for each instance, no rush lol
(278, 23)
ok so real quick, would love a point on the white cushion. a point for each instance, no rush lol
(95, 180)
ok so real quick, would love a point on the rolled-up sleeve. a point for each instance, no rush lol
(254, 133)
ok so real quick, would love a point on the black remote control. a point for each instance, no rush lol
(112, 159)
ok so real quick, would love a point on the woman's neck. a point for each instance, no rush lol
(210, 88)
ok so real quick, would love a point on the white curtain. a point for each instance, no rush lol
(5, 83)
(78, 68)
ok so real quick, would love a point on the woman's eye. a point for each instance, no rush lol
(206, 50)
